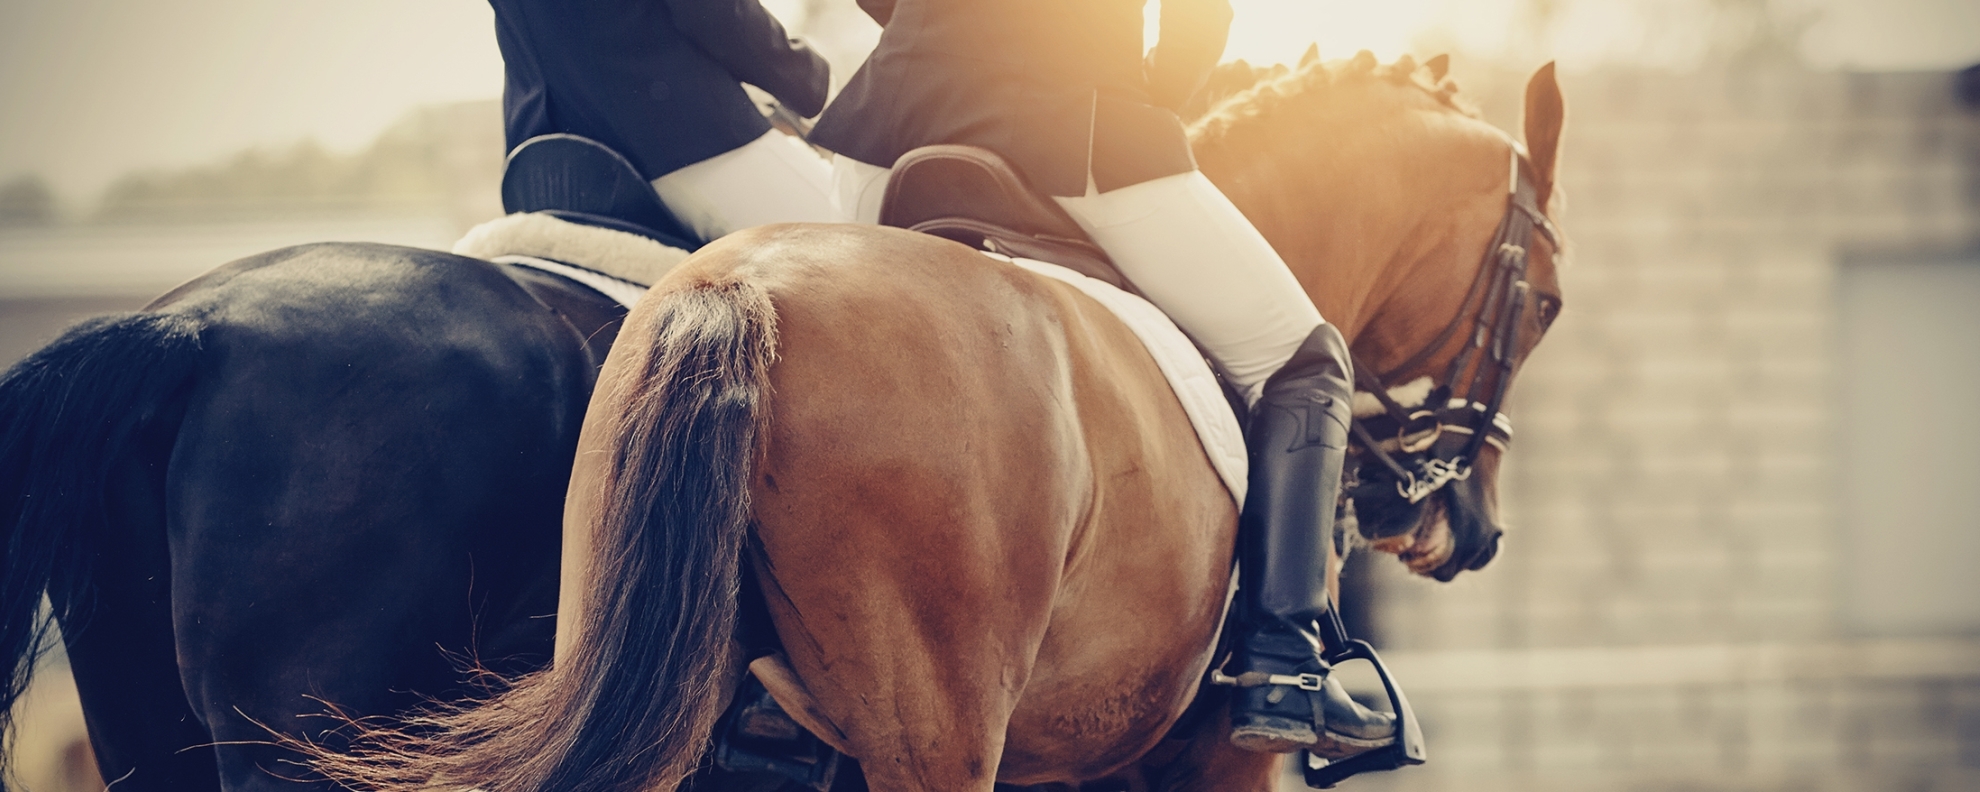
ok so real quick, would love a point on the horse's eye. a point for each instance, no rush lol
(1548, 309)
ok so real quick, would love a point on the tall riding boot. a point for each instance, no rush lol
(1298, 436)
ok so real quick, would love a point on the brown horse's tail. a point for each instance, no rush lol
(632, 705)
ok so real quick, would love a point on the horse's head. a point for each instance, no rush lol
(1397, 210)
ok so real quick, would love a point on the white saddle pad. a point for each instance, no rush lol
(614, 263)
(619, 265)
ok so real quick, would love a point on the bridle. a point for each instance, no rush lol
(1432, 445)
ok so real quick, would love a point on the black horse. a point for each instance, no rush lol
(318, 484)
(332, 471)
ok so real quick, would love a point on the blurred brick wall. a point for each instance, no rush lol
(1674, 556)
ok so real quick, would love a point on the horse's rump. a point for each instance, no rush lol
(347, 463)
(980, 507)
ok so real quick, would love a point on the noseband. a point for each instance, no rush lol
(1427, 447)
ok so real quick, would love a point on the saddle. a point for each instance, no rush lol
(580, 180)
(973, 196)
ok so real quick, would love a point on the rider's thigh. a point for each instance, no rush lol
(1190, 250)
(773, 179)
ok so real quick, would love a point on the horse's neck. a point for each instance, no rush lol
(1336, 246)
(1371, 221)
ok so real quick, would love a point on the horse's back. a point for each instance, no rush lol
(984, 514)
(367, 475)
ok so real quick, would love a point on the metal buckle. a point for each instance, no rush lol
(1436, 473)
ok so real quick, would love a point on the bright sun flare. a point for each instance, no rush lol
(1277, 31)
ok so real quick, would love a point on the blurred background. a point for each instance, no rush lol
(1743, 504)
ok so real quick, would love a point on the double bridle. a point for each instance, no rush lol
(1431, 445)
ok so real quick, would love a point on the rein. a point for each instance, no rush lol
(1433, 446)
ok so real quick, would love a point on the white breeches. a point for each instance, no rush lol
(858, 188)
(775, 178)
(1186, 247)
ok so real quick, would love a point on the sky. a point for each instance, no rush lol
(92, 89)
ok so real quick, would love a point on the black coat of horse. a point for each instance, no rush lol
(330, 474)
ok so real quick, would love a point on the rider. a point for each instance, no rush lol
(1062, 91)
(660, 82)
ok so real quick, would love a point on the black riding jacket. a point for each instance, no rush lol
(1059, 87)
(658, 80)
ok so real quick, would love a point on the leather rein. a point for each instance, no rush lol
(1427, 447)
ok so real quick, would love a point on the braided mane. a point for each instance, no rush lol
(1231, 108)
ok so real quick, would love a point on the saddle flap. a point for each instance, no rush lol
(973, 196)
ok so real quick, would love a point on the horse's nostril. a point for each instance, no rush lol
(1487, 553)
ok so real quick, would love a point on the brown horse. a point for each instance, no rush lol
(990, 544)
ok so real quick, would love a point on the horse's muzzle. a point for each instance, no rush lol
(1475, 534)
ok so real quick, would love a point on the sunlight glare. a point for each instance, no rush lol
(1277, 31)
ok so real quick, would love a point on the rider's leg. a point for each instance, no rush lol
(1195, 256)
(775, 178)
(1297, 436)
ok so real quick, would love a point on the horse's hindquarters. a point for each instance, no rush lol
(365, 489)
(981, 511)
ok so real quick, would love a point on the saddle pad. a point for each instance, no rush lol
(537, 235)
(1188, 373)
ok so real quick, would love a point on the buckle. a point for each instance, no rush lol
(1306, 682)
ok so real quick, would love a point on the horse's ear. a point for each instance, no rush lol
(1312, 54)
(1438, 66)
(1544, 113)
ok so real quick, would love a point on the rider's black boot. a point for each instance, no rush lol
(1298, 437)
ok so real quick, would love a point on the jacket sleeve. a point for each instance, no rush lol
(880, 10)
(752, 45)
(1192, 38)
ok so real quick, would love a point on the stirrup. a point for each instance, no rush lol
(756, 737)
(1407, 749)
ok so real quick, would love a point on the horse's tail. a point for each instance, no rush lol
(633, 703)
(67, 414)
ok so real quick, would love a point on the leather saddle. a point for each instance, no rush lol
(583, 181)
(973, 196)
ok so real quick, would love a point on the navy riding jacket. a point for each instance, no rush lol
(658, 80)
(1058, 87)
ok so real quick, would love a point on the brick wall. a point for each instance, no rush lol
(1672, 486)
